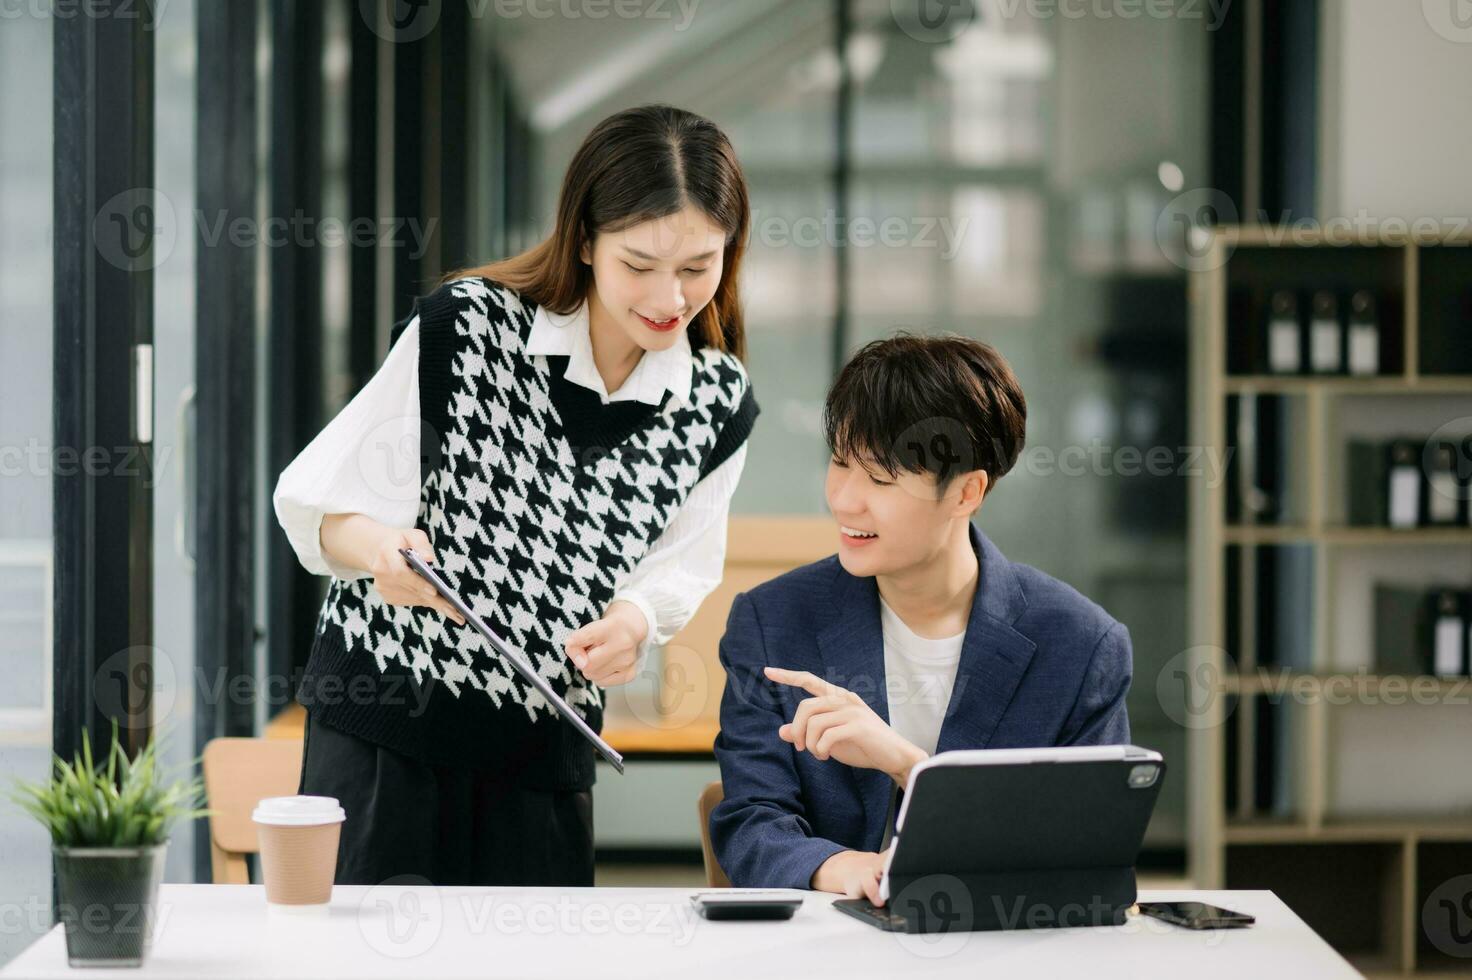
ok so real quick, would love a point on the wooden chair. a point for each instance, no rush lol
(758, 549)
(238, 774)
(713, 794)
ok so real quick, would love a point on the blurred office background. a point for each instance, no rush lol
(1027, 164)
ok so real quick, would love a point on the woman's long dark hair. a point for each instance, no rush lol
(637, 165)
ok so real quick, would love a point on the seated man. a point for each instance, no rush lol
(918, 637)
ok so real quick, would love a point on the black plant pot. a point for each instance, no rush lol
(107, 897)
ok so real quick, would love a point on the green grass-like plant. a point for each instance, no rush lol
(124, 804)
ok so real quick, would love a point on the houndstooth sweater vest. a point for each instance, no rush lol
(538, 501)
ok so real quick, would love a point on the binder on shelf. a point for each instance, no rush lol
(1285, 336)
(1404, 491)
(1448, 646)
(1445, 313)
(1256, 463)
(1443, 490)
(1260, 783)
(1326, 336)
(1401, 613)
(1230, 760)
(1369, 483)
(1266, 734)
(1246, 352)
(1283, 576)
(1407, 484)
(1462, 465)
(1364, 334)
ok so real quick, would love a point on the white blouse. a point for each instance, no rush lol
(366, 461)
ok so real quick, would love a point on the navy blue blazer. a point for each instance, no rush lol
(1040, 665)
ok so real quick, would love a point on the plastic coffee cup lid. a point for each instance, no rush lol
(298, 811)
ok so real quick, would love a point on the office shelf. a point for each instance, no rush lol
(1353, 537)
(1359, 881)
(1384, 384)
(1360, 831)
(1269, 680)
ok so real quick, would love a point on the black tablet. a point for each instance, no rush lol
(499, 645)
(1017, 839)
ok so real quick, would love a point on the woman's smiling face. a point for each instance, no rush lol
(653, 278)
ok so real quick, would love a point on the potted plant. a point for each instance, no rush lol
(109, 831)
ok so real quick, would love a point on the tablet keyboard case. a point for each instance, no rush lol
(1046, 860)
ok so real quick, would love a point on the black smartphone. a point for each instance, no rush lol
(1196, 915)
(736, 903)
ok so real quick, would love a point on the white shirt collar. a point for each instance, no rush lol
(554, 334)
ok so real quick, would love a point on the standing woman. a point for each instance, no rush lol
(561, 432)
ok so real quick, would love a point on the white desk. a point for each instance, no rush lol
(644, 933)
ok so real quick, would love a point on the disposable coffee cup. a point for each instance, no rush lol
(298, 836)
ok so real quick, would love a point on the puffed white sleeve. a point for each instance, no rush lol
(687, 560)
(365, 461)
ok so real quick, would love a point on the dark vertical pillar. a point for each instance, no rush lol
(108, 229)
(1290, 117)
(842, 167)
(457, 138)
(294, 328)
(1264, 108)
(411, 55)
(363, 133)
(224, 495)
(1228, 109)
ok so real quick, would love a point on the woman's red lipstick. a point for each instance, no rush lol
(662, 326)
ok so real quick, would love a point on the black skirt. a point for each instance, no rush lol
(441, 824)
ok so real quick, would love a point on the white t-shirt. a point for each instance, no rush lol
(919, 674)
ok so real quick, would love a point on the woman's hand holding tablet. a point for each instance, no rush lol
(361, 542)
